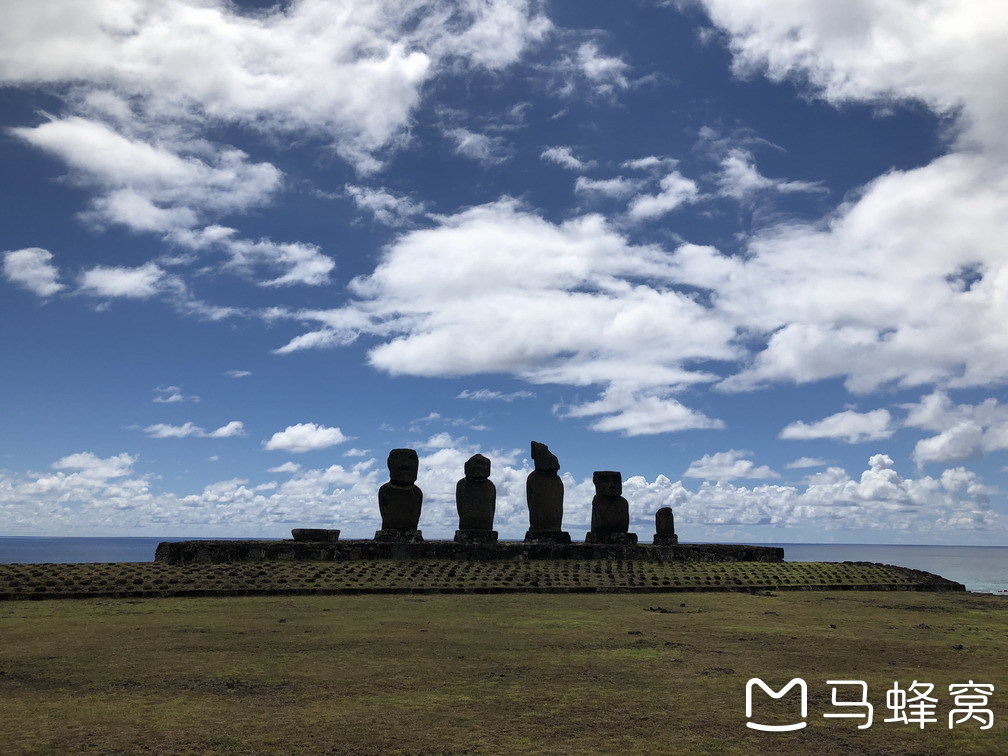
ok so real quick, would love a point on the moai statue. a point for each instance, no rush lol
(544, 492)
(476, 501)
(399, 500)
(664, 525)
(610, 511)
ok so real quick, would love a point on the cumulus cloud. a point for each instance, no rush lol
(130, 283)
(848, 426)
(305, 437)
(187, 430)
(386, 207)
(740, 180)
(489, 150)
(565, 158)
(32, 269)
(728, 465)
(803, 462)
(964, 431)
(926, 508)
(676, 190)
(637, 413)
(606, 74)
(238, 373)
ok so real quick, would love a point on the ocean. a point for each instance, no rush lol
(983, 569)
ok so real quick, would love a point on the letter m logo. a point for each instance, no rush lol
(778, 694)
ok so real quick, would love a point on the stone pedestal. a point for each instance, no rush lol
(475, 536)
(665, 540)
(619, 539)
(390, 535)
(315, 534)
(547, 536)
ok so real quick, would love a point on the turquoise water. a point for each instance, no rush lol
(980, 568)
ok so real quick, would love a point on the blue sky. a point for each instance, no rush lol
(751, 255)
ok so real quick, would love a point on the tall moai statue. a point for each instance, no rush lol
(610, 511)
(476, 501)
(544, 493)
(400, 500)
(664, 524)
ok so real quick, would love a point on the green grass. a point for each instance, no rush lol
(148, 579)
(482, 674)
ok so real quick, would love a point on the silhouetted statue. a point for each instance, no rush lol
(399, 500)
(544, 492)
(664, 524)
(610, 511)
(476, 501)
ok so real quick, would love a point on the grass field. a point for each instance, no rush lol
(489, 674)
(150, 579)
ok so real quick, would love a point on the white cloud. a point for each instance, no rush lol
(926, 509)
(305, 437)
(803, 462)
(636, 413)
(565, 158)
(479, 147)
(740, 179)
(187, 430)
(848, 426)
(171, 395)
(132, 283)
(286, 467)
(238, 373)
(32, 269)
(728, 465)
(617, 188)
(487, 395)
(605, 74)
(965, 431)
(385, 206)
(676, 190)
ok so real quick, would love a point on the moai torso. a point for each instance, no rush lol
(610, 511)
(400, 500)
(544, 491)
(664, 522)
(476, 496)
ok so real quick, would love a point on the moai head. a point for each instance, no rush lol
(543, 458)
(607, 483)
(477, 466)
(664, 522)
(403, 465)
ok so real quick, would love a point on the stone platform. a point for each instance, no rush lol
(206, 552)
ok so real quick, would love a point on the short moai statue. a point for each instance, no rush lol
(610, 511)
(664, 524)
(544, 493)
(400, 500)
(476, 501)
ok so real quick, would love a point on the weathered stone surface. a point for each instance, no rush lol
(547, 536)
(315, 534)
(610, 511)
(475, 536)
(544, 491)
(476, 496)
(665, 540)
(622, 539)
(398, 535)
(189, 552)
(400, 500)
(664, 521)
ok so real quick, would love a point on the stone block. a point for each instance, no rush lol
(619, 539)
(475, 536)
(315, 534)
(547, 536)
(390, 535)
(661, 539)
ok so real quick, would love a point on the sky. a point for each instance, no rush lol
(750, 255)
